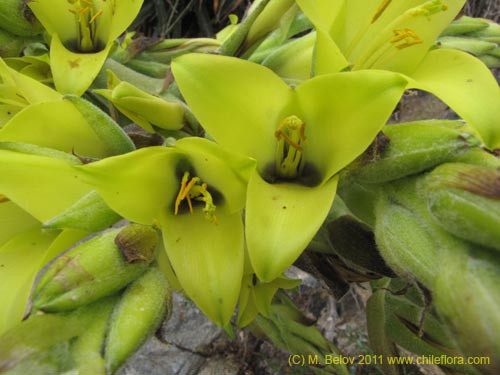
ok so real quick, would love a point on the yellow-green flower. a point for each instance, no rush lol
(195, 191)
(301, 137)
(398, 35)
(82, 32)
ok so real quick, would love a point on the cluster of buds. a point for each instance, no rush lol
(102, 299)
(478, 36)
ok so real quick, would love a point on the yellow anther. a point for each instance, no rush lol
(93, 18)
(429, 8)
(382, 7)
(192, 190)
(291, 137)
(407, 36)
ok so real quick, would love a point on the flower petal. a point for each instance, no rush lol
(44, 186)
(68, 129)
(74, 72)
(343, 113)
(14, 220)
(456, 77)
(327, 56)
(426, 25)
(207, 259)
(239, 103)
(138, 185)
(226, 172)
(56, 18)
(281, 219)
(123, 12)
(21, 258)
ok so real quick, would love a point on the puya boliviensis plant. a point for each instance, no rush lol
(236, 209)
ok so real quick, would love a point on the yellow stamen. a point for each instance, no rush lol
(86, 16)
(408, 36)
(382, 7)
(193, 190)
(93, 18)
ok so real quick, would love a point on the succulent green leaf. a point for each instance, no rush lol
(108, 131)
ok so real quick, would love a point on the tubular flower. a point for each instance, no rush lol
(300, 137)
(82, 33)
(196, 192)
(398, 35)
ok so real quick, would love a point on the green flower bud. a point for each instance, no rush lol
(11, 45)
(474, 46)
(411, 148)
(465, 200)
(144, 109)
(17, 18)
(489, 34)
(96, 268)
(138, 314)
(467, 297)
(90, 214)
(406, 243)
(465, 25)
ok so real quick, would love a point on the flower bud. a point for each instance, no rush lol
(410, 148)
(96, 268)
(18, 19)
(139, 313)
(465, 200)
(467, 297)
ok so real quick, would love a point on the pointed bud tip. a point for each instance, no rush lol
(137, 243)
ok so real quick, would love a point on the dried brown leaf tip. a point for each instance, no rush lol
(137, 243)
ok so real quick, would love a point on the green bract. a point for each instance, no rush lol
(397, 35)
(300, 137)
(158, 185)
(144, 109)
(82, 33)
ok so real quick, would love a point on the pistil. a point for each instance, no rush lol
(290, 147)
